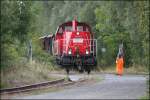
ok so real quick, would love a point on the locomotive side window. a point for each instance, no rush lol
(87, 29)
(60, 30)
(80, 28)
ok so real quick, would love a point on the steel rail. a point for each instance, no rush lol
(56, 83)
(30, 87)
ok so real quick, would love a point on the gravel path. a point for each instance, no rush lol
(112, 87)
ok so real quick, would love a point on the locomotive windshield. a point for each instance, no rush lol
(82, 28)
(68, 28)
(79, 28)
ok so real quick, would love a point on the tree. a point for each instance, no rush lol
(15, 22)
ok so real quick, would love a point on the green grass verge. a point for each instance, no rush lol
(146, 97)
(25, 74)
(129, 70)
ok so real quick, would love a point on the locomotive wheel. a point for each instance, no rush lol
(81, 71)
(58, 61)
(88, 70)
(80, 68)
(67, 70)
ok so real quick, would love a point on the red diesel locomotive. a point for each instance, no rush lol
(74, 46)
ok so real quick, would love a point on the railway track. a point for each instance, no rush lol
(55, 83)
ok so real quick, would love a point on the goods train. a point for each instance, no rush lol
(73, 46)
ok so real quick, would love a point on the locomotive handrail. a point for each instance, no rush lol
(93, 45)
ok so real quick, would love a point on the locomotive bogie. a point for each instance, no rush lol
(74, 60)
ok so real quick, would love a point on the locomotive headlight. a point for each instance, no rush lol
(69, 52)
(87, 52)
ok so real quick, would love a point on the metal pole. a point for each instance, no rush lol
(30, 51)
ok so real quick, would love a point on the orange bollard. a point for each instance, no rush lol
(119, 65)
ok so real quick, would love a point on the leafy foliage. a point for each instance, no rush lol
(122, 22)
(113, 22)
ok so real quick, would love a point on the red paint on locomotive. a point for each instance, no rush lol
(74, 41)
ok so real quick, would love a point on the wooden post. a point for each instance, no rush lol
(30, 51)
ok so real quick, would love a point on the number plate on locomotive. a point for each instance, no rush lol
(78, 40)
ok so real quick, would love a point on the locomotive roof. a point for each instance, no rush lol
(69, 23)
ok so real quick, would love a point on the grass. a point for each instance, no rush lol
(25, 74)
(137, 70)
(147, 96)
(29, 73)
(129, 70)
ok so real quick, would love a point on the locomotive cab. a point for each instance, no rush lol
(74, 46)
